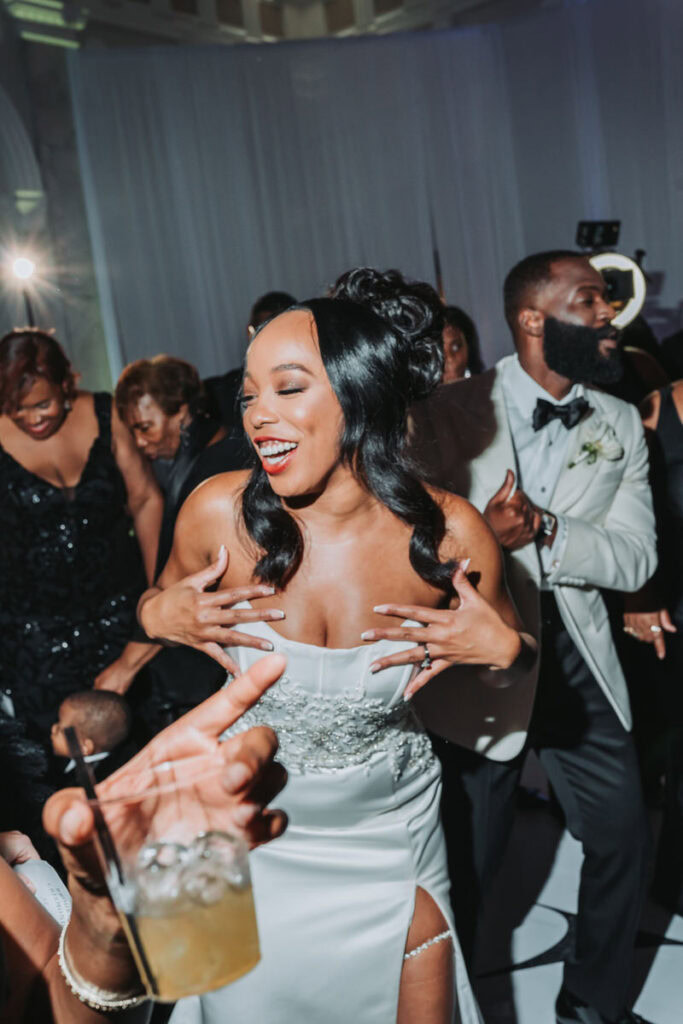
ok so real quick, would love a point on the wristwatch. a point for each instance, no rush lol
(548, 524)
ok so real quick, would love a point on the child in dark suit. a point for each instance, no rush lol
(102, 720)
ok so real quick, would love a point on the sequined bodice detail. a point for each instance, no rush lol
(320, 733)
(331, 713)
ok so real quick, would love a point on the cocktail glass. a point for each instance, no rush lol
(182, 884)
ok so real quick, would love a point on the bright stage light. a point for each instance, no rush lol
(23, 267)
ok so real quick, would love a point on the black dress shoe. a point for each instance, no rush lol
(569, 1009)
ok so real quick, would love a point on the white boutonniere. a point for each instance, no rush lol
(603, 445)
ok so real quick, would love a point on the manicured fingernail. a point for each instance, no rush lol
(374, 667)
(267, 590)
(277, 614)
(267, 646)
(369, 634)
(465, 564)
(72, 824)
(380, 608)
(407, 696)
(221, 551)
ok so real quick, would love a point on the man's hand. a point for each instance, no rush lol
(649, 628)
(514, 519)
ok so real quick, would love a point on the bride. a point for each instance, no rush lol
(308, 548)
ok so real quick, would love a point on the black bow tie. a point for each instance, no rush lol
(569, 414)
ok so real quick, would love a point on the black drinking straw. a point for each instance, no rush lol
(86, 780)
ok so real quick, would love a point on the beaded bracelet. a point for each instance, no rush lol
(96, 998)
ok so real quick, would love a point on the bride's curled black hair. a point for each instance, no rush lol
(413, 308)
(377, 368)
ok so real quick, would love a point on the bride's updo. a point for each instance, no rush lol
(415, 312)
(382, 351)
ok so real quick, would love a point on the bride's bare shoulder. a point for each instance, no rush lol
(223, 487)
(467, 534)
(215, 501)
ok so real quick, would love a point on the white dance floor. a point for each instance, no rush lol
(527, 925)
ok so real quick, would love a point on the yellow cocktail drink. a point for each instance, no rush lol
(195, 949)
(190, 917)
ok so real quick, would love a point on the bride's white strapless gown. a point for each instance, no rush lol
(335, 894)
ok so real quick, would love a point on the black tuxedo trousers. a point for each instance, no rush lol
(591, 762)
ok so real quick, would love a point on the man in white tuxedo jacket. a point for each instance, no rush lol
(560, 470)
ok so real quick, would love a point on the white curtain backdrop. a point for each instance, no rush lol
(213, 175)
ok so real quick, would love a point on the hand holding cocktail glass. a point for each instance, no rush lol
(197, 778)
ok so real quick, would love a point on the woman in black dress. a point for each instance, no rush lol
(70, 565)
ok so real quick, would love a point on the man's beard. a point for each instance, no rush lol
(573, 351)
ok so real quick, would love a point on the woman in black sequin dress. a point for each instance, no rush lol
(70, 565)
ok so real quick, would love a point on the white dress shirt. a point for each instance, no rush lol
(89, 759)
(541, 454)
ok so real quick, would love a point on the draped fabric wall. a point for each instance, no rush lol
(215, 174)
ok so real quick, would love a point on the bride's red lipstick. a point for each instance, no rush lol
(280, 467)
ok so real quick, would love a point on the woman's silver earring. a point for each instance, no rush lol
(67, 405)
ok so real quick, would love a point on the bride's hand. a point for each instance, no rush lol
(471, 634)
(184, 614)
